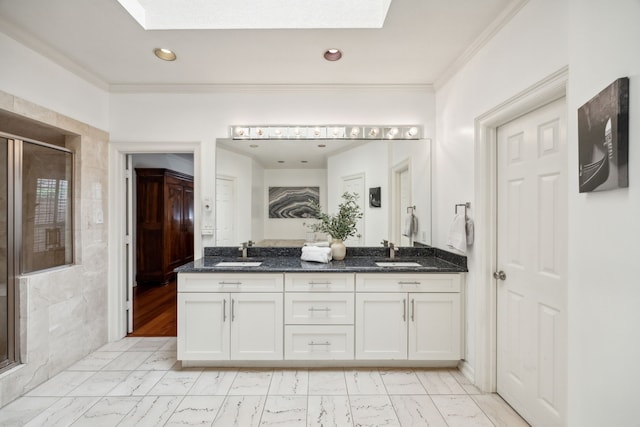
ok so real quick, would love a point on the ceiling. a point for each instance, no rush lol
(420, 43)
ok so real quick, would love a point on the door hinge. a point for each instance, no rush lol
(127, 173)
(127, 240)
(129, 305)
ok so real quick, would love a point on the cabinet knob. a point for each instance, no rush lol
(500, 275)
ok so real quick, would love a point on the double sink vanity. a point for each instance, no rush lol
(272, 309)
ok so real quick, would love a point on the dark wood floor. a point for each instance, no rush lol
(155, 311)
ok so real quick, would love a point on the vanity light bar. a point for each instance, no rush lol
(395, 132)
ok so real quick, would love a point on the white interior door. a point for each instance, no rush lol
(532, 254)
(404, 192)
(355, 184)
(226, 212)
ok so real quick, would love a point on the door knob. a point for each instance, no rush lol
(499, 275)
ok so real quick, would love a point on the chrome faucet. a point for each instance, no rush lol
(243, 249)
(385, 243)
(392, 250)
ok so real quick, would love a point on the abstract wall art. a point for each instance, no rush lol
(603, 139)
(292, 202)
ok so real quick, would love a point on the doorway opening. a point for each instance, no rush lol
(160, 220)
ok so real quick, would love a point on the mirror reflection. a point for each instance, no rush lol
(262, 187)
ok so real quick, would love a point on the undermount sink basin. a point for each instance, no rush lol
(398, 264)
(239, 264)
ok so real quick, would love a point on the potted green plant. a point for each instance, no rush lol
(339, 226)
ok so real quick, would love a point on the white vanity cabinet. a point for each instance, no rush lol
(224, 316)
(319, 314)
(408, 316)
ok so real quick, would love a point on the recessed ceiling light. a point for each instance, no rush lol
(332, 54)
(164, 54)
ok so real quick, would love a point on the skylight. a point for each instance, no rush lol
(257, 14)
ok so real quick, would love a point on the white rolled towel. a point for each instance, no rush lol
(470, 229)
(317, 244)
(316, 254)
(457, 233)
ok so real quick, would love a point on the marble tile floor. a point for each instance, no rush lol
(137, 382)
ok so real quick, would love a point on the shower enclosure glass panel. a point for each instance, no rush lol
(4, 253)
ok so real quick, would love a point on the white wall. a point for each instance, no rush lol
(530, 47)
(202, 117)
(175, 162)
(371, 160)
(598, 41)
(258, 202)
(34, 78)
(291, 228)
(419, 155)
(604, 291)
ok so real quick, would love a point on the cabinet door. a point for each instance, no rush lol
(203, 326)
(381, 326)
(187, 224)
(256, 326)
(434, 326)
(174, 242)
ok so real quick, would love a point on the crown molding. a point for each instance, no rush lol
(23, 37)
(268, 88)
(494, 28)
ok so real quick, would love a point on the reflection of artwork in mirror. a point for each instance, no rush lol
(292, 202)
(374, 197)
(603, 139)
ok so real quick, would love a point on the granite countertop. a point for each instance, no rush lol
(360, 260)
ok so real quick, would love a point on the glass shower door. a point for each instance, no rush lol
(4, 254)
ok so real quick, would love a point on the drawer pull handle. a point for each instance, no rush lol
(408, 283)
(319, 309)
(229, 283)
(319, 283)
(224, 310)
(233, 309)
(319, 343)
(413, 310)
(404, 310)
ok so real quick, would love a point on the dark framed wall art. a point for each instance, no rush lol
(374, 197)
(292, 202)
(603, 139)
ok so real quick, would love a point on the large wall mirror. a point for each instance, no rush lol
(262, 186)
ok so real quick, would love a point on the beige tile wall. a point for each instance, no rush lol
(63, 313)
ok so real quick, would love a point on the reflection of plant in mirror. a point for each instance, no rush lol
(341, 225)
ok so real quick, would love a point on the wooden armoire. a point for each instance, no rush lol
(164, 221)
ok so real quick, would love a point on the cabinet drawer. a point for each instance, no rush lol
(318, 342)
(318, 308)
(314, 282)
(408, 282)
(214, 282)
